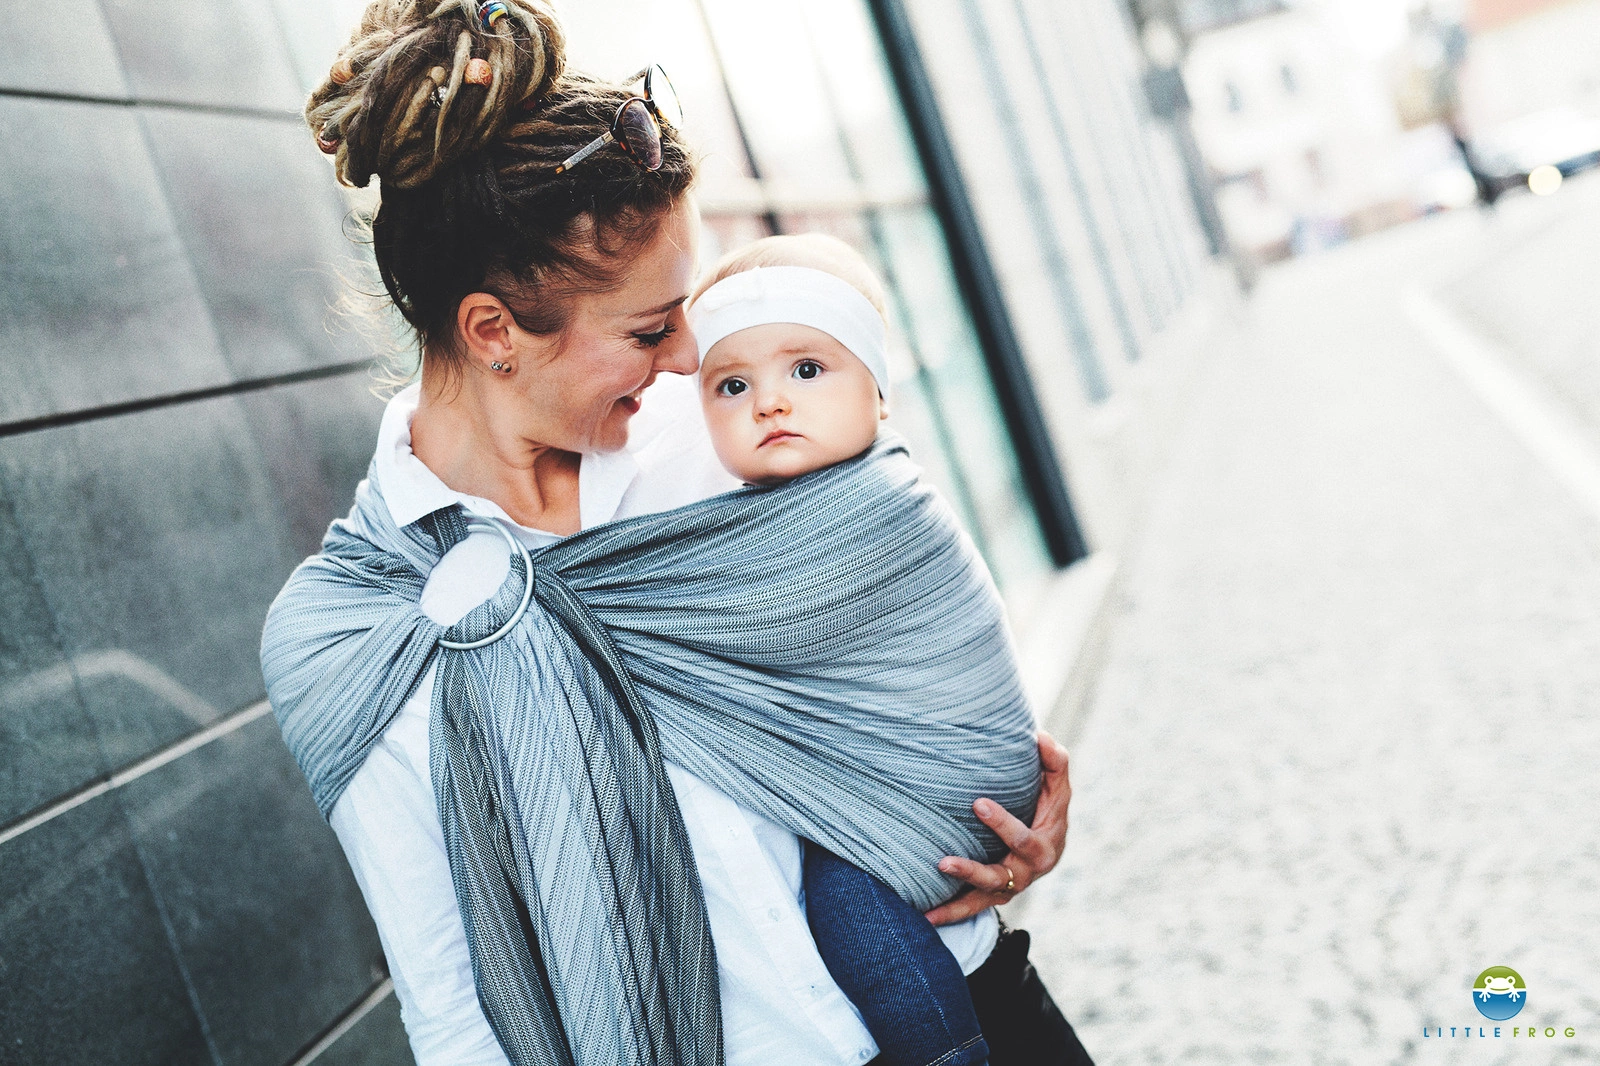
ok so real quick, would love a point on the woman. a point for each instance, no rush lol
(546, 285)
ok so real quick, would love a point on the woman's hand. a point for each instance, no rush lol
(1035, 849)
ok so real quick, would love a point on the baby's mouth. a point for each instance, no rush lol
(777, 435)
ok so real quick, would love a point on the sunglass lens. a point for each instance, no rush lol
(638, 130)
(665, 98)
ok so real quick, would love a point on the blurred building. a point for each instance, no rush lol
(1527, 57)
(1425, 67)
(1299, 128)
(1198, 16)
(182, 415)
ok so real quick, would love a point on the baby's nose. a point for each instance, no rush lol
(772, 403)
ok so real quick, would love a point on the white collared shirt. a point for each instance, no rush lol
(778, 1002)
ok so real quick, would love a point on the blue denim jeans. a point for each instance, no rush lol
(891, 963)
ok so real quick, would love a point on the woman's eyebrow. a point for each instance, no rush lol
(663, 309)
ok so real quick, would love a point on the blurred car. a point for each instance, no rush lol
(1506, 155)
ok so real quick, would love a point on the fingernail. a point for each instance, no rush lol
(985, 807)
(946, 866)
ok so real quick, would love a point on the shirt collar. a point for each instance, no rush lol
(412, 491)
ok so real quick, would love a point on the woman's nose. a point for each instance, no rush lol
(678, 354)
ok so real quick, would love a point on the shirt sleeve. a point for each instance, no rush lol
(389, 825)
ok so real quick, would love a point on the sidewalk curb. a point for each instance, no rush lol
(1065, 642)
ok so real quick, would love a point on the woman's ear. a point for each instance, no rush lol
(485, 323)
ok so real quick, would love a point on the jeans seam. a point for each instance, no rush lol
(921, 977)
(958, 1049)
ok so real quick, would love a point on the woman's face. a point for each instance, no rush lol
(583, 385)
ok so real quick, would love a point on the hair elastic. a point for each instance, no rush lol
(491, 13)
(803, 296)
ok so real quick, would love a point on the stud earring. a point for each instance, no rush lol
(504, 368)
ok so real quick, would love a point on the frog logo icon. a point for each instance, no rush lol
(1499, 993)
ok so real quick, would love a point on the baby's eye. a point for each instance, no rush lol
(807, 369)
(731, 387)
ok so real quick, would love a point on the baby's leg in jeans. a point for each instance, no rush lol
(891, 963)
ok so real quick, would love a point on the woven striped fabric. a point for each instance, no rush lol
(831, 653)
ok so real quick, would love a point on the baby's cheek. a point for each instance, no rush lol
(864, 426)
(720, 420)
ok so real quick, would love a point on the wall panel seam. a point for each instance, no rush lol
(129, 774)
(150, 403)
(348, 1021)
(236, 110)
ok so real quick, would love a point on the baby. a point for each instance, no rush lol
(793, 375)
(794, 378)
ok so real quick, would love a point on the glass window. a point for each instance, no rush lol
(803, 92)
(618, 37)
(783, 105)
(951, 373)
(846, 48)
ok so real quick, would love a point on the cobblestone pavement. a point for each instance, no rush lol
(1344, 752)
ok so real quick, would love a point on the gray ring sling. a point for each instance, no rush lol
(831, 653)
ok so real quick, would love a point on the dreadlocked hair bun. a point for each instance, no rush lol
(400, 102)
(466, 128)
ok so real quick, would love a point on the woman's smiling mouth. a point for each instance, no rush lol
(632, 402)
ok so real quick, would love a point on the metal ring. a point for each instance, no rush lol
(527, 593)
(1011, 881)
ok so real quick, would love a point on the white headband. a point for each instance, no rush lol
(799, 295)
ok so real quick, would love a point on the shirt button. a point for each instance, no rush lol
(772, 912)
(864, 1054)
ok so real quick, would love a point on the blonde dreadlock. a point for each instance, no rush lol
(415, 54)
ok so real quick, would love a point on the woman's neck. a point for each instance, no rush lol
(455, 435)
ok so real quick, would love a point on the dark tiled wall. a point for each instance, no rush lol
(181, 414)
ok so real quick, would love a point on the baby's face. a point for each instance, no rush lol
(783, 400)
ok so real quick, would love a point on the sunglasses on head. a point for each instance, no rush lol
(636, 129)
